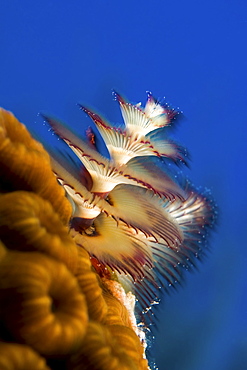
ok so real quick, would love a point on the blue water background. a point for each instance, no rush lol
(54, 54)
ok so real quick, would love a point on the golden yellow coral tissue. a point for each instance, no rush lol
(86, 269)
(25, 165)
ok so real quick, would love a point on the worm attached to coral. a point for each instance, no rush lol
(130, 211)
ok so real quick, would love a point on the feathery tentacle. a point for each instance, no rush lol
(130, 212)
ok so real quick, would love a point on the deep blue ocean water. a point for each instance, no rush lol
(55, 54)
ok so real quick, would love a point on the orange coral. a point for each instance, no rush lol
(26, 165)
(3, 250)
(90, 285)
(48, 311)
(113, 347)
(37, 227)
(117, 312)
(20, 357)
